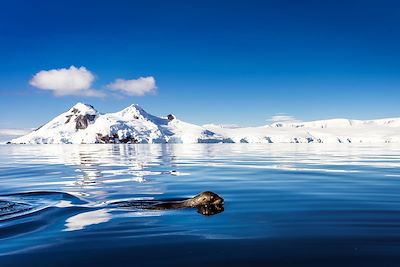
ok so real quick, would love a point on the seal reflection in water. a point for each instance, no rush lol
(207, 203)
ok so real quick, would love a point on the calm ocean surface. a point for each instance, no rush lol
(285, 205)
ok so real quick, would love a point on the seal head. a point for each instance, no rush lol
(205, 198)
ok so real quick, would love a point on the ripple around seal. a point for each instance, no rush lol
(294, 205)
(15, 205)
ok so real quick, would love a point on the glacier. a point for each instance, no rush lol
(83, 124)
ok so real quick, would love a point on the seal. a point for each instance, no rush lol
(207, 203)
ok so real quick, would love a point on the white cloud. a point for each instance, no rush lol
(282, 117)
(62, 82)
(14, 132)
(6, 134)
(134, 87)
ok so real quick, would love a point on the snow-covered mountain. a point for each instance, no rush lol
(83, 124)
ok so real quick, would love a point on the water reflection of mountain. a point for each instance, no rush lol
(138, 157)
(123, 170)
(103, 167)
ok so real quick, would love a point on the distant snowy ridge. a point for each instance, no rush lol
(82, 124)
(393, 122)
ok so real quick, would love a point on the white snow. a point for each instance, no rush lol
(134, 125)
(322, 131)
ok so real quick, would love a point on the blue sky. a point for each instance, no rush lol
(212, 61)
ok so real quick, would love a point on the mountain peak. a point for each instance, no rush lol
(83, 108)
(133, 111)
(133, 107)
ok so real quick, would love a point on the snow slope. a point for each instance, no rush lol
(83, 124)
(322, 131)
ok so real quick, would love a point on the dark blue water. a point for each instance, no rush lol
(285, 205)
